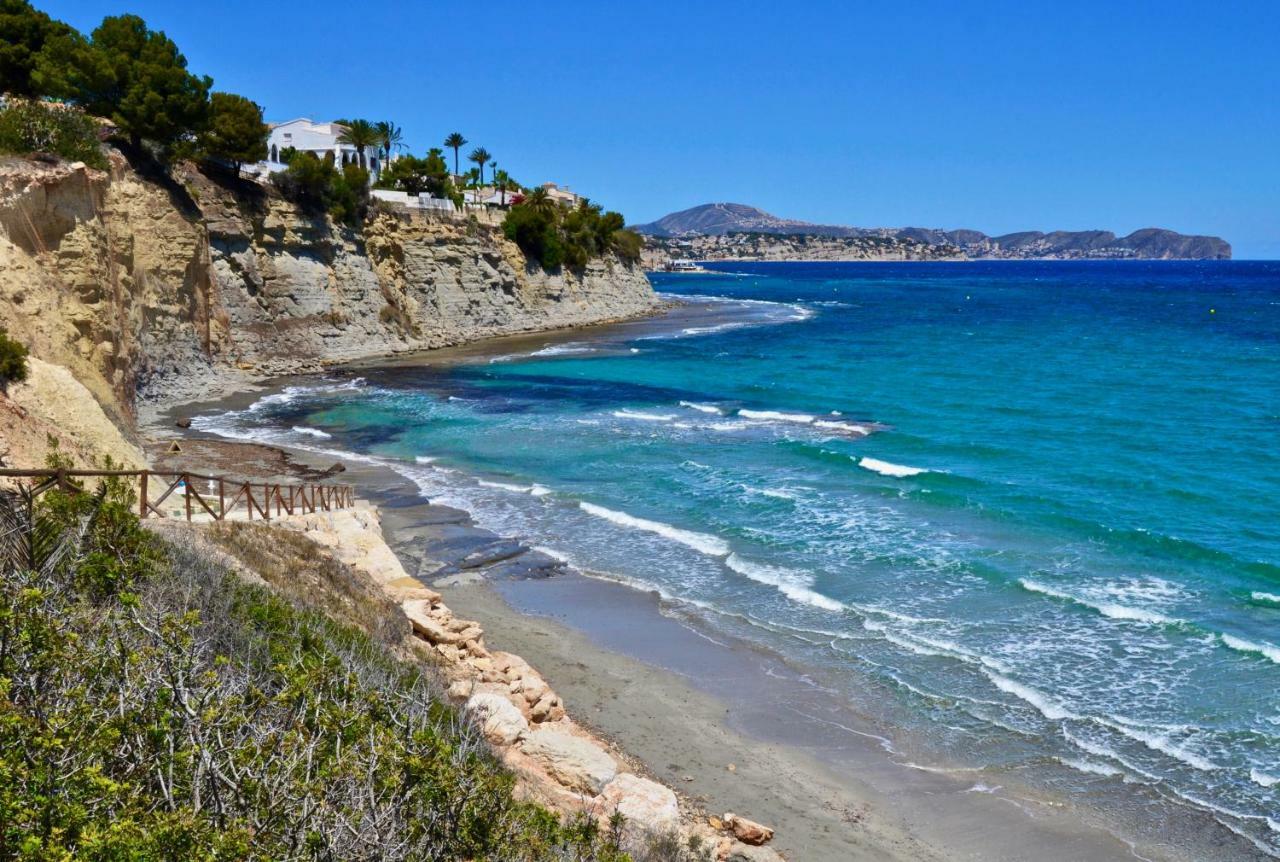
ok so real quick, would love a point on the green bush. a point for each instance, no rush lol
(175, 712)
(13, 361)
(35, 127)
(553, 234)
(316, 186)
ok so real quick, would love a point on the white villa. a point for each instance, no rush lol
(305, 135)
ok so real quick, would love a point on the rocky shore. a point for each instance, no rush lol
(558, 763)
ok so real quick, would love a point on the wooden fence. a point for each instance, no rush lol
(220, 498)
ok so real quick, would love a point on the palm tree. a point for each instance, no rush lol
(455, 142)
(501, 178)
(480, 155)
(390, 137)
(539, 201)
(360, 134)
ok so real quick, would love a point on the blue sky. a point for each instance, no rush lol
(998, 116)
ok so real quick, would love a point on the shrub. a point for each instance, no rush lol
(35, 127)
(554, 235)
(316, 186)
(13, 361)
(185, 714)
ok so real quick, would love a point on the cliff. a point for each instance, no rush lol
(169, 287)
(740, 232)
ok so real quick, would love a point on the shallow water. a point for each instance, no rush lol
(1022, 512)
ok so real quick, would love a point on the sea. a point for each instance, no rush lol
(1025, 513)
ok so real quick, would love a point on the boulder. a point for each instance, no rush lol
(576, 763)
(500, 721)
(646, 805)
(184, 422)
(739, 852)
(548, 708)
(748, 831)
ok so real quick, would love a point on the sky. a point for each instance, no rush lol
(998, 116)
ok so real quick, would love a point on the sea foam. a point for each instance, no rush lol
(702, 408)
(643, 417)
(712, 546)
(791, 584)
(886, 468)
(776, 416)
(1107, 609)
(312, 432)
(1045, 705)
(1267, 598)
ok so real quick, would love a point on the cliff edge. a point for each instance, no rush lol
(165, 288)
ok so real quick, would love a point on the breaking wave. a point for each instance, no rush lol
(712, 546)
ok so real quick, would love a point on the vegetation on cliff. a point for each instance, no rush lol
(556, 235)
(154, 706)
(318, 186)
(13, 361)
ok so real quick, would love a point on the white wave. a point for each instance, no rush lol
(312, 432)
(712, 546)
(776, 416)
(1091, 767)
(539, 490)
(886, 468)
(1242, 645)
(1107, 609)
(643, 417)
(791, 584)
(702, 408)
(563, 350)
(553, 554)
(1162, 743)
(1046, 706)
(1270, 598)
(844, 427)
(1262, 779)
(726, 426)
(777, 493)
(423, 459)
(505, 486)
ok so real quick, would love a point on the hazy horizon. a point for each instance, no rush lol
(999, 119)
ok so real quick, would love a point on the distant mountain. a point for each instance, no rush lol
(721, 219)
(725, 219)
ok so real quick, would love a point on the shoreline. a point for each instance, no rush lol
(607, 649)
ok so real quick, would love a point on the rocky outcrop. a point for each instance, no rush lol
(52, 409)
(169, 286)
(557, 762)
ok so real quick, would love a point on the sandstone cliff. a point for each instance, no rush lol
(165, 287)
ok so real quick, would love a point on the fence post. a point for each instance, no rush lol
(186, 489)
(222, 498)
(142, 496)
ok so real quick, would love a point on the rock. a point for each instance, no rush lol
(500, 721)
(739, 852)
(577, 763)
(425, 625)
(338, 467)
(184, 422)
(646, 805)
(748, 831)
(547, 708)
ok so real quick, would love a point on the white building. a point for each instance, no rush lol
(311, 137)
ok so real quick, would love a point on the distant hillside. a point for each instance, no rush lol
(689, 229)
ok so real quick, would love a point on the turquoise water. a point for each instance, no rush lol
(1026, 511)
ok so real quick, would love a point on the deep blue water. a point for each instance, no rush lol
(1026, 510)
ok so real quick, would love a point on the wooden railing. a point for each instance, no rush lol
(220, 499)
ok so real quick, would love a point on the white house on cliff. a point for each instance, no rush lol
(305, 135)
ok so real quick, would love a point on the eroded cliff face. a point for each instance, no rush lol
(163, 288)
